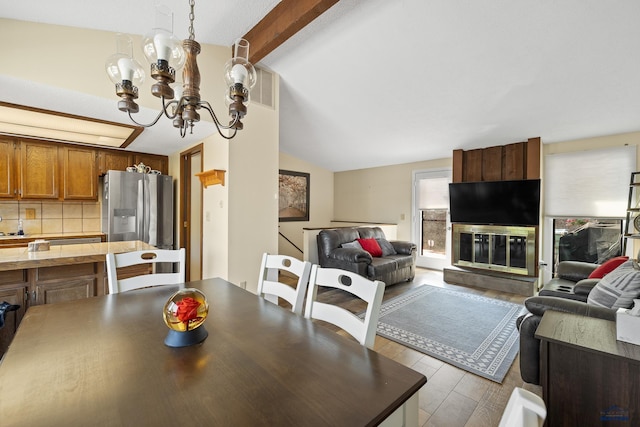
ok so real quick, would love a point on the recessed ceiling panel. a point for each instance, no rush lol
(17, 120)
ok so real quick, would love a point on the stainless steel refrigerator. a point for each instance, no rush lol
(138, 206)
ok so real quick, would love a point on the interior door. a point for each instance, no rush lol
(191, 211)
(431, 224)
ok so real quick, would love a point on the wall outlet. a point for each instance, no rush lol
(243, 284)
(401, 217)
(29, 213)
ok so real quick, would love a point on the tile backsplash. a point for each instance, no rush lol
(50, 217)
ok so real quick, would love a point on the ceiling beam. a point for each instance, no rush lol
(284, 20)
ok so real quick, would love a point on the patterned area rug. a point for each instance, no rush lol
(474, 333)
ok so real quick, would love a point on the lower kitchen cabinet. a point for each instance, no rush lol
(67, 283)
(47, 285)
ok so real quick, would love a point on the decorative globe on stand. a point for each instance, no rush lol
(184, 313)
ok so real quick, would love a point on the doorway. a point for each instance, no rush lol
(191, 211)
(431, 224)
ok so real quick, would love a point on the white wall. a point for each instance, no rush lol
(381, 194)
(253, 201)
(320, 204)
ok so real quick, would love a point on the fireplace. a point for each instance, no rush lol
(506, 249)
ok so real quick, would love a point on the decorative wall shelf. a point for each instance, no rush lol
(211, 177)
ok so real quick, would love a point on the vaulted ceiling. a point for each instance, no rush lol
(378, 82)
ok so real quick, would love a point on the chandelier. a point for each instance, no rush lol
(166, 55)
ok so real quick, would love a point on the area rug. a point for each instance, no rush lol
(474, 333)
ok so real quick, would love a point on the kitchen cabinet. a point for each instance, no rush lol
(13, 291)
(39, 170)
(113, 160)
(7, 169)
(44, 170)
(67, 283)
(154, 161)
(80, 176)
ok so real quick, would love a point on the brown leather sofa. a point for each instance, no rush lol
(390, 268)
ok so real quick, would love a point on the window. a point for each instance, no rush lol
(586, 239)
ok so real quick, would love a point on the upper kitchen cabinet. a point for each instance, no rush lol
(80, 173)
(43, 170)
(8, 188)
(39, 170)
(155, 162)
(113, 160)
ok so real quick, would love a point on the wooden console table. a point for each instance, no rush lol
(588, 377)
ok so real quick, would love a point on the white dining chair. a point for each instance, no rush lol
(363, 330)
(271, 288)
(524, 409)
(152, 257)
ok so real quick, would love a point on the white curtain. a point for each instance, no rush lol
(592, 183)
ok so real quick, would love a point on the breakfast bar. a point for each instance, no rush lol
(62, 273)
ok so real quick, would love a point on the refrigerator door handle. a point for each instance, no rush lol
(147, 212)
(140, 212)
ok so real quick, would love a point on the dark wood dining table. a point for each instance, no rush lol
(102, 361)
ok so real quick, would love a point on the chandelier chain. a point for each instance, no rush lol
(192, 16)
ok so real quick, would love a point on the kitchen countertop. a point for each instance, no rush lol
(6, 238)
(21, 258)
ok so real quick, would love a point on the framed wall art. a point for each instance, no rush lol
(293, 204)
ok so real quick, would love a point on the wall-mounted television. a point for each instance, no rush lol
(495, 202)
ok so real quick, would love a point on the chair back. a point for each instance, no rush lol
(153, 257)
(524, 409)
(363, 330)
(271, 289)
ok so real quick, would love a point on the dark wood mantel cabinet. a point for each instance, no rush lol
(520, 160)
(43, 170)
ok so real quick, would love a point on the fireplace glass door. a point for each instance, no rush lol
(498, 248)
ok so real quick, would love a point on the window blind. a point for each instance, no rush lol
(434, 193)
(592, 183)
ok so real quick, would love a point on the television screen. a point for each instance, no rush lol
(495, 202)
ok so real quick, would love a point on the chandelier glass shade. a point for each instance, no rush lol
(180, 97)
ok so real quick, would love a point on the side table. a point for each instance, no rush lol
(588, 377)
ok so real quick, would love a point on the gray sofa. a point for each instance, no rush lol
(390, 268)
(571, 281)
(567, 292)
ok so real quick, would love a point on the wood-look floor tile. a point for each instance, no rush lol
(453, 412)
(439, 386)
(423, 417)
(472, 386)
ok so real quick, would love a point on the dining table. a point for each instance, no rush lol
(102, 361)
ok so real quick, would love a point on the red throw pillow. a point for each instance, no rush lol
(371, 246)
(607, 267)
